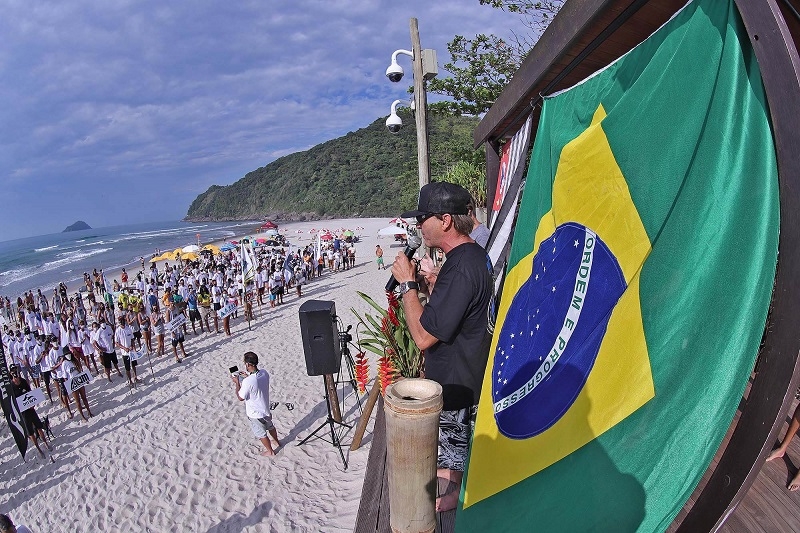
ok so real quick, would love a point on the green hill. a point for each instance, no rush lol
(369, 172)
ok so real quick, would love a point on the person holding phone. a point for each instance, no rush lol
(252, 388)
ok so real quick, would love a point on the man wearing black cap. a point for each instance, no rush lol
(451, 327)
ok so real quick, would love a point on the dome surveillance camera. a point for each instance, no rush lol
(394, 72)
(394, 123)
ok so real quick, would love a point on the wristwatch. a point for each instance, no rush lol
(407, 286)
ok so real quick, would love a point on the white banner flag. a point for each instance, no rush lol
(78, 381)
(30, 399)
(177, 322)
(227, 310)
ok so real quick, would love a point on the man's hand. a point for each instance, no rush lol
(428, 271)
(403, 269)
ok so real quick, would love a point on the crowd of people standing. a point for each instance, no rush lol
(50, 340)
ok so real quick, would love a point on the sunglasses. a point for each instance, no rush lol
(422, 218)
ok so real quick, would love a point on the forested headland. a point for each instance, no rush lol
(369, 172)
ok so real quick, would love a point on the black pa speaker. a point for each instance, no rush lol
(320, 337)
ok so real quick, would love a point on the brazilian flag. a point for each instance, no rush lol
(637, 289)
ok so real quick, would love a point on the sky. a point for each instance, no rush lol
(117, 112)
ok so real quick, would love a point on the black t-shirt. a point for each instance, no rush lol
(456, 314)
(22, 388)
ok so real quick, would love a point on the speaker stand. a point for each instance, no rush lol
(351, 378)
(331, 424)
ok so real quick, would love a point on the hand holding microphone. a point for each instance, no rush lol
(414, 242)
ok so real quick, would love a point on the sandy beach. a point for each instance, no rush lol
(177, 453)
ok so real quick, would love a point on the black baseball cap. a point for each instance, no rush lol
(441, 197)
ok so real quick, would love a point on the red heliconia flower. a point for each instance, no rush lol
(393, 317)
(386, 373)
(385, 324)
(394, 302)
(362, 371)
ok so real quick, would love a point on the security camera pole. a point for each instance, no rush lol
(425, 68)
(421, 105)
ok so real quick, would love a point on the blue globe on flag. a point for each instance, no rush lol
(553, 330)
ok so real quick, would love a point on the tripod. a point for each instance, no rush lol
(331, 423)
(331, 387)
(345, 339)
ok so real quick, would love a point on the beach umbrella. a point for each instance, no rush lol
(261, 241)
(392, 230)
(348, 233)
(191, 249)
(235, 242)
(189, 256)
(177, 251)
(227, 247)
(212, 248)
(166, 256)
(399, 220)
(326, 237)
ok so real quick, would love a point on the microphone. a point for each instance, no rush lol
(414, 241)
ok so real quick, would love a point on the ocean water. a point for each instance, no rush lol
(44, 261)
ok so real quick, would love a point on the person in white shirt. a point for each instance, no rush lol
(85, 339)
(46, 366)
(18, 354)
(51, 327)
(69, 367)
(103, 342)
(34, 369)
(216, 301)
(252, 388)
(123, 341)
(182, 289)
(54, 359)
(260, 281)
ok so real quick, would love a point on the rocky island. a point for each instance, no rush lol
(79, 225)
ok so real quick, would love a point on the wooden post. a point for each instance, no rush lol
(421, 106)
(364, 420)
(420, 113)
(333, 398)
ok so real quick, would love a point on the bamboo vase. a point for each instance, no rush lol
(412, 409)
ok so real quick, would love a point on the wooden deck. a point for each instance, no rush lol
(768, 506)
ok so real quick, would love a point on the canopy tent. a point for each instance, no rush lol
(268, 225)
(392, 230)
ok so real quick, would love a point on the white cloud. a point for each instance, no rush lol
(147, 95)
